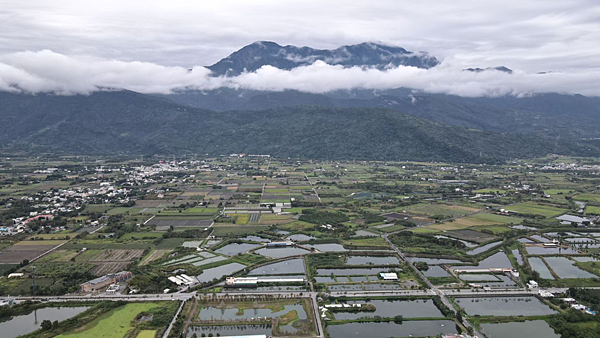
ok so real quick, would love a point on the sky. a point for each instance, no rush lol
(77, 46)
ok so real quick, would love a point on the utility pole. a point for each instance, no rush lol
(33, 286)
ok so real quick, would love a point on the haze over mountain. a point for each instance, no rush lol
(262, 53)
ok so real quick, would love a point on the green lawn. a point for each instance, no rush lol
(113, 324)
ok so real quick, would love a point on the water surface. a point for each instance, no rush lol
(20, 325)
(504, 306)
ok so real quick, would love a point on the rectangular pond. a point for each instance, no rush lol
(538, 265)
(434, 261)
(236, 248)
(372, 260)
(538, 250)
(565, 268)
(218, 272)
(529, 329)
(406, 308)
(504, 306)
(421, 328)
(483, 248)
(286, 267)
(281, 252)
(497, 260)
(435, 271)
(478, 277)
(331, 247)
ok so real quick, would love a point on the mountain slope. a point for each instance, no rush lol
(113, 122)
(549, 115)
(252, 57)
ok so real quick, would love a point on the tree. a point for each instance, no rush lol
(46, 325)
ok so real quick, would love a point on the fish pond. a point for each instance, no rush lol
(529, 329)
(19, 325)
(282, 252)
(372, 260)
(504, 306)
(218, 272)
(236, 248)
(280, 268)
(565, 268)
(420, 308)
(420, 328)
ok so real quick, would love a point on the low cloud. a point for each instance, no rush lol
(47, 71)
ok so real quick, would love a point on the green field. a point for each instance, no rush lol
(114, 324)
(537, 209)
(588, 197)
(590, 209)
(146, 334)
(476, 220)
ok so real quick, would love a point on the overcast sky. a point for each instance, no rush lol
(526, 35)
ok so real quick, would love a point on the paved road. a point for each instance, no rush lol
(168, 330)
(434, 290)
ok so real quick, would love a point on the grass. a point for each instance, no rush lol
(537, 209)
(588, 197)
(170, 243)
(480, 219)
(434, 209)
(146, 334)
(140, 235)
(592, 210)
(114, 324)
(235, 230)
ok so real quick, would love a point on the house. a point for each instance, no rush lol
(532, 284)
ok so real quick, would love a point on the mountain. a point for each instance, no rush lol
(499, 68)
(128, 122)
(548, 115)
(252, 57)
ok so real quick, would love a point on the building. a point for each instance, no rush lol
(279, 244)
(532, 284)
(570, 219)
(388, 276)
(254, 281)
(96, 284)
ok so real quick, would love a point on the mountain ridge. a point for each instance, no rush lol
(133, 123)
(367, 54)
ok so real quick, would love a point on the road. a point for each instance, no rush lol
(434, 290)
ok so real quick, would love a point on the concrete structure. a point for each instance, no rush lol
(279, 244)
(100, 282)
(388, 276)
(254, 281)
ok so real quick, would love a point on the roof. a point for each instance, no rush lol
(97, 280)
(388, 275)
(571, 218)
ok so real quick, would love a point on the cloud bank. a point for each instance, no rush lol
(48, 71)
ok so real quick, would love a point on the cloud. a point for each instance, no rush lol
(47, 71)
(534, 35)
